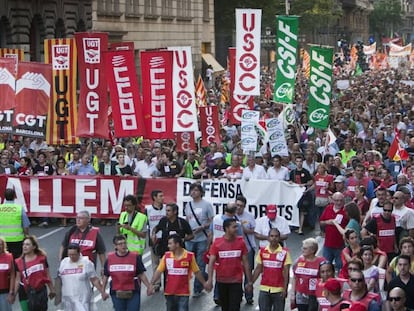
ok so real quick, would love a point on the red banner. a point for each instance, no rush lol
(157, 73)
(65, 196)
(237, 102)
(63, 111)
(125, 98)
(122, 46)
(93, 103)
(16, 54)
(209, 125)
(185, 141)
(33, 89)
(7, 83)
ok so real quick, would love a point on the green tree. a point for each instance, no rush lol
(386, 17)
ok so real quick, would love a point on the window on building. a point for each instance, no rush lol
(206, 10)
(166, 8)
(132, 7)
(184, 8)
(150, 8)
(108, 7)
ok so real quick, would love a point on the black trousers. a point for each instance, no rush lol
(230, 296)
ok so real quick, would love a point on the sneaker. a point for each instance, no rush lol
(250, 301)
(196, 294)
(43, 224)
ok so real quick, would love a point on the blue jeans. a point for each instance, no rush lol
(177, 303)
(333, 254)
(271, 301)
(132, 304)
(4, 305)
(198, 248)
(250, 258)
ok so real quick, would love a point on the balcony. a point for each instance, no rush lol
(357, 4)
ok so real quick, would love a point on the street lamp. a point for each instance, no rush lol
(268, 42)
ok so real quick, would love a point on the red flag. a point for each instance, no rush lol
(396, 152)
(201, 94)
(93, 103)
(157, 73)
(237, 102)
(209, 125)
(185, 141)
(123, 87)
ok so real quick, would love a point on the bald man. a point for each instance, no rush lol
(397, 299)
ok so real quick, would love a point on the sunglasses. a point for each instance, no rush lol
(394, 298)
(387, 210)
(356, 280)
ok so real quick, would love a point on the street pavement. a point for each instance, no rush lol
(50, 239)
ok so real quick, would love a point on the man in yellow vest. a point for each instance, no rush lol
(133, 224)
(14, 223)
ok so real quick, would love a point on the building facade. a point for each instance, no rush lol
(150, 24)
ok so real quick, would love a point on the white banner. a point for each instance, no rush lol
(248, 33)
(370, 49)
(277, 140)
(396, 50)
(184, 102)
(248, 132)
(258, 193)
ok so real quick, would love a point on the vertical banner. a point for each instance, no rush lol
(185, 141)
(201, 94)
(63, 111)
(156, 74)
(124, 90)
(184, 102)
(237, 102)
(248, 130)
(209, 125)
(33, 92)
(7, 94)
(248, 32)
(93, 99)
(320, 86)
(16, 54)
(286, 51)
(277, 140)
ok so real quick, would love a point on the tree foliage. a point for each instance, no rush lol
(386, 17)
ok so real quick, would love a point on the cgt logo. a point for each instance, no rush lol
(92, 50)
(60, 57)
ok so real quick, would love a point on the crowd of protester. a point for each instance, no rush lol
(356, 196)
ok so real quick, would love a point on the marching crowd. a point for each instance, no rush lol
(357, 195)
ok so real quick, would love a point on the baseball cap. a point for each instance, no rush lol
(332, 285)
(271, 211)
(217, 155)
(340, 178)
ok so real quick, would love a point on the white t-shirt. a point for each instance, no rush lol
(76, 285)
(280, 174)
(258, 172)
(154, 215)
(263, 227)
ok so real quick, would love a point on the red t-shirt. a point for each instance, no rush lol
(322, 184)
(333, 238)
(229, 258)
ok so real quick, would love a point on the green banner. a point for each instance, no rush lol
(286, 53)
(320, 86)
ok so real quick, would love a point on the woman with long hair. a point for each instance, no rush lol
(7, 275)
(33, 273)
(371, 272)
(350, 251)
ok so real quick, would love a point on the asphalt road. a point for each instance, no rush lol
(50, 239)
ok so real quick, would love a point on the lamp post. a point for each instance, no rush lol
(268, 42)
